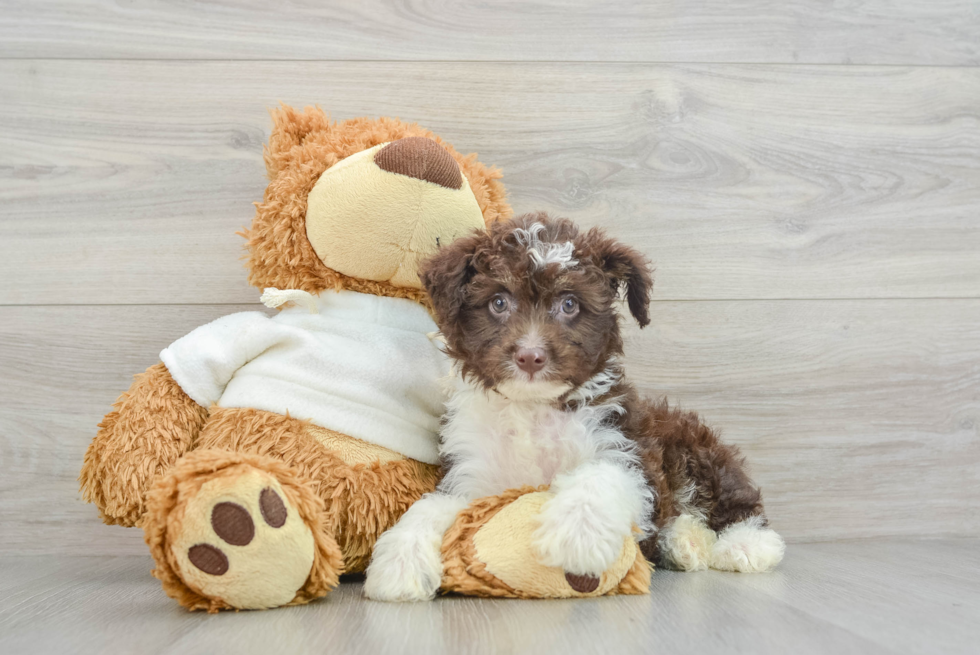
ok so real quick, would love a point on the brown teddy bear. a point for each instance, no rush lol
(264, 456)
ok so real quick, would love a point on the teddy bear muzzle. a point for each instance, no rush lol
(378, 213)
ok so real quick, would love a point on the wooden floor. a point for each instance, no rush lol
(864, 598)
(805, 175)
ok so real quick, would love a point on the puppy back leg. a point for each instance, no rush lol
(711, 515)
(745, 541)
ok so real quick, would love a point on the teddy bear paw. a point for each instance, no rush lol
(239, 540)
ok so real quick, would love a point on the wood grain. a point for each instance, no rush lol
(859, 418)
(859, 598)
(124, 182)
(939, 32)
(908, 596)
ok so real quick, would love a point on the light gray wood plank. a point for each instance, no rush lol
(84, 605)
(124, 182)
(859, 418)
(102, 604)
(908, 596)
(62, 369)
(772, 31)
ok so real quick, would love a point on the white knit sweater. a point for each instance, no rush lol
(362, 365)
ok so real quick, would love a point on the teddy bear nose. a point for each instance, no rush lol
(531, 360)
(421, 158)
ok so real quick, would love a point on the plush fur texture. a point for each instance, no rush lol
(354, 504)
(540, 282)
(228, 546)
(302, 146)
(144, 435)
(362, 500)
(164, 519)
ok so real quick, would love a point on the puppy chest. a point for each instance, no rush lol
(531, 445)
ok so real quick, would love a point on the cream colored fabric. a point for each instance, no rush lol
(265, 573)
(274, 298)
(350, 450)
(503, 544)
(368, 223)
(362, 365)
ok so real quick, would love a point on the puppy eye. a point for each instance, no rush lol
(498, 304)
(569, 306)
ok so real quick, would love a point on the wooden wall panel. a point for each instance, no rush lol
(124, 182)
(938, 32)
(859, 418)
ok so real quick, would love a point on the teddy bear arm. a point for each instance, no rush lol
(150, 427)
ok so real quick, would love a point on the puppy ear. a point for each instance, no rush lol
(627, 267)
(445, 275)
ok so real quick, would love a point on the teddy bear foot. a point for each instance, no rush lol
(235, 531)
(489, 552)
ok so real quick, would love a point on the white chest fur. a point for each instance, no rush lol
(493, 443)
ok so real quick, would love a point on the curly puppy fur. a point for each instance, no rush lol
(537, 284)
(302, 146)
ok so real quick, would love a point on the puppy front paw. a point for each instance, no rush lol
(578, 541)
(402, 571)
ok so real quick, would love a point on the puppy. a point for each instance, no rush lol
(528, 312)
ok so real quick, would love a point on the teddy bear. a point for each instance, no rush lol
(263, 456)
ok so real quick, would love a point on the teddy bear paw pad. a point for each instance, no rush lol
(239, 540)
(208, 558)
(584, 584)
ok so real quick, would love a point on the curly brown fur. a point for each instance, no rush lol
(165, 503)
(149, 428)
(495, 292)
(363, 500)
(690, 468)
(302, 146)
(464, 277)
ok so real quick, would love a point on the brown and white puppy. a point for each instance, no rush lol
(528, 311)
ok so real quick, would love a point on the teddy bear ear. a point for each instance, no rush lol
(289, 128)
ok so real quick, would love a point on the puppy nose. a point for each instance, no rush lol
(421, 158)
(531, 360)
